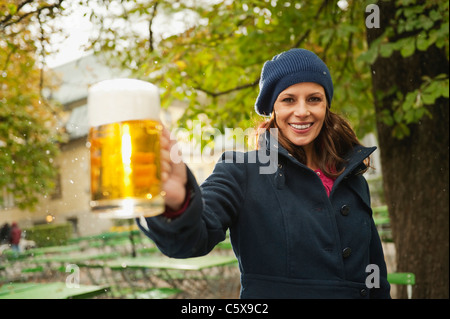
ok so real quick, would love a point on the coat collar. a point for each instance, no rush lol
(355, 158)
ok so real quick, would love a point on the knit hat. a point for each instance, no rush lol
(286, 69)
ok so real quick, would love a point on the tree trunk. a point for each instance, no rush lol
(416, 168)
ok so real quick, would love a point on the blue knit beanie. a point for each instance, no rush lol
(286, 69)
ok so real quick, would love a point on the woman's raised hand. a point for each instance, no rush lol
(173, 172)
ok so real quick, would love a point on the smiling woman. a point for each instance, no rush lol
(295, 218)
(301, 89)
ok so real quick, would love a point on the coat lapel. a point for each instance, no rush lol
(355, 158)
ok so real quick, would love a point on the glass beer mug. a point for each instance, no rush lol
(124, 139)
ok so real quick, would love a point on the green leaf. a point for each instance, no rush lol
(372, 53)
(410, 100)
(386, 118)
(434, 90)
(423, 42)
(386, 49)
(408, 47)
(400, 131)
(12, 8)
(444, 88)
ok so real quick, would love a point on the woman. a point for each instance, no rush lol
(303, 231)
(15, 235)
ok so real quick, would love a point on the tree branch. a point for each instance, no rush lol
(8, 57)
(150, 26)
(306, 34)
(4, 22)
(9, 16)
(237, 88)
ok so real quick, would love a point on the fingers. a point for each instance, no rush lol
(166, 165)
(173, 171)
(165, 139)
(170, 155)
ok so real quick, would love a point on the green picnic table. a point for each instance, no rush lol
(201, 274)
(54, 290)
(163, 262)
(43, 265)
(40, 251)
(74, 258)
(53, 250)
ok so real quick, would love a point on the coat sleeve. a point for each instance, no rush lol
(212, 209)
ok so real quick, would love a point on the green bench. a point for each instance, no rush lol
(403, 278)
(382, 221)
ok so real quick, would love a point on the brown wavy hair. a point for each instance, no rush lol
(334, 141)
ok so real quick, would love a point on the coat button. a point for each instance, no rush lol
(346, 252)
(345, 209)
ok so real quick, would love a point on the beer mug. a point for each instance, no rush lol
(124, 142)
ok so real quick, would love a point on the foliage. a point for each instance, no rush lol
(418, 26)
(215, 62)
(50, 234)
(28, 122)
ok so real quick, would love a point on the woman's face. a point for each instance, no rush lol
(300, 112)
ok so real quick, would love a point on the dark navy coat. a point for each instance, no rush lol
(290, 238)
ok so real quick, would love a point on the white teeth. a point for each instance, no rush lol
(301, 127)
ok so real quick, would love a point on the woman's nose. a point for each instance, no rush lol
(301, 109)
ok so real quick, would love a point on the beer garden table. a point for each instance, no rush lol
(53, 290)
(75, 258)
(179, 273)
(52, 250)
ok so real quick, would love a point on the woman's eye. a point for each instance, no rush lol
(315, 99)
(288, 100)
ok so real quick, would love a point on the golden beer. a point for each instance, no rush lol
(125, 154)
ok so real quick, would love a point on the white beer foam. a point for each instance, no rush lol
(120, 100)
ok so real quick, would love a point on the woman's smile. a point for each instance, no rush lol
(301, 127)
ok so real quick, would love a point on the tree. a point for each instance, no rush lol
(220, 55)
(29, 128)
(410, 85)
